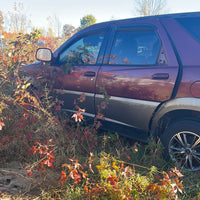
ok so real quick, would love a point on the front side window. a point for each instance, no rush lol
(82, 52)
(135, 48)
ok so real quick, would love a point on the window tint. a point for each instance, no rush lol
(135, 48)
(84, 51)
(192, 25)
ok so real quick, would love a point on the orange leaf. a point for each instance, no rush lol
(128, 157)
(122, 165)
(1, 125)
(15, 59)
(86, 188)
(64, 165)
(63, 176)
(83, 174)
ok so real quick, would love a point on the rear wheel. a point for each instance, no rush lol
(182, 144)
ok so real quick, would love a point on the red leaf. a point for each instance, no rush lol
(57, 108)
(110, 179)
(29, 172)
(48, 163)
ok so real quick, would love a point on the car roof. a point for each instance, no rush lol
(126, 21)
(129, 20)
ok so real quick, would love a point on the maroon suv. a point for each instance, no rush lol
(150, 68)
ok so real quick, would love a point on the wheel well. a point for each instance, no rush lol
(174, 116)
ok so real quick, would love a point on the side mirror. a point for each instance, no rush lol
(44, 54)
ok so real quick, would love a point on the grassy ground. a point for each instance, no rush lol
(143, 156)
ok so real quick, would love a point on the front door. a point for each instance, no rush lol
(77, 69)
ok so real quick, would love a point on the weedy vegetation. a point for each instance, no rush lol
(60, 157)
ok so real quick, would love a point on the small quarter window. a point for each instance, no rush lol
(83, 52)
(135, 48)
(191, 25)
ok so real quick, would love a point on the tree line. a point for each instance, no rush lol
(17, 20)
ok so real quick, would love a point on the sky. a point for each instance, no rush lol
(71, 11)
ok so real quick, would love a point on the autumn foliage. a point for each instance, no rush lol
(36, 133)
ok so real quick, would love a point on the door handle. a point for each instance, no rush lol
(90, 74)
(160, 76)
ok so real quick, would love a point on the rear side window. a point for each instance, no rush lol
(82, 52)
(192, 26)
(135, 48)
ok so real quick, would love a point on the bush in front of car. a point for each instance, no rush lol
(34, 134)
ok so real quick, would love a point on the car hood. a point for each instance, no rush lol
(33, 69)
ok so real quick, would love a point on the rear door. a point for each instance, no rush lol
(139, 71)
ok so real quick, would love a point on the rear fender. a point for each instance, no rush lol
(190, 104)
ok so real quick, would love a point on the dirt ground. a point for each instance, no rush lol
(16, 184)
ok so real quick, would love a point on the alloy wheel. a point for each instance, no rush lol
(184, 148)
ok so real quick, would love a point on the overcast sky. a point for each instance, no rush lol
(71, 11)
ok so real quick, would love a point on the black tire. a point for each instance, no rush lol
(182, 144)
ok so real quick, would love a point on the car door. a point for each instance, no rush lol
(76, 70)
(139, 72)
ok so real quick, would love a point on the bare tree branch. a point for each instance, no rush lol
(150, 7)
